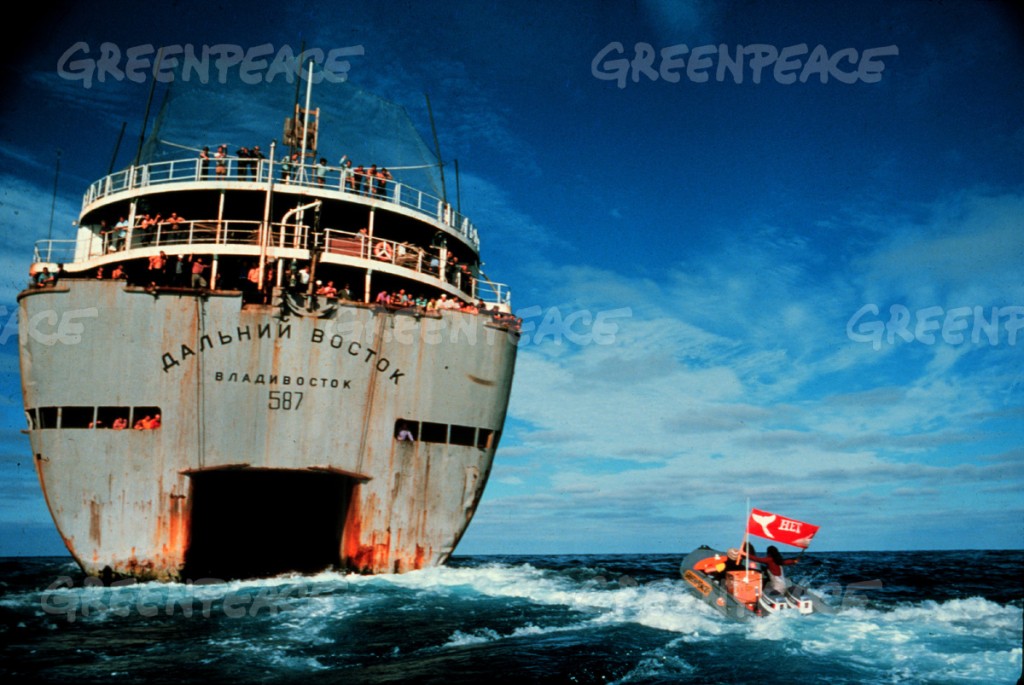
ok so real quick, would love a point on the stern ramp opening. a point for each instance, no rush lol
(251, 523)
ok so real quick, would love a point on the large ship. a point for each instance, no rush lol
(243, 366)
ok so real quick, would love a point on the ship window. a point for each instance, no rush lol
(77, 417)
(106, 416)
(463, 435)
(433, 432)
(469, 436)
(411, 426)
(143, 413)
(48, 417)
(89, 417)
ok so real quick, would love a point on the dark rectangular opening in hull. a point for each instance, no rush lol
(252, 523)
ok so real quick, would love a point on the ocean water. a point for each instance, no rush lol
(911, 617)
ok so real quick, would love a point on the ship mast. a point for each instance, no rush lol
(149, 103)
(305, 121)
(437, 147)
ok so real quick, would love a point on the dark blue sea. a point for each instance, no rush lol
(911, 617)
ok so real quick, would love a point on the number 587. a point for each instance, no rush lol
(284, 400)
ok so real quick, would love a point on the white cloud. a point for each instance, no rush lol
(967, 253)
(724, 383)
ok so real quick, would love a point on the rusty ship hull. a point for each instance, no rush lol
(277, 447)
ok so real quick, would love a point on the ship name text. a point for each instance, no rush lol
(281, 379)
(318, 336)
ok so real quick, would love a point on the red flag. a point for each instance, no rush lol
(780, 529)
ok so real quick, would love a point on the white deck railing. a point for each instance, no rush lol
(258, 171)
(331, 241)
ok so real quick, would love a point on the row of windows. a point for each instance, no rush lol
(149, 417)
(425, 431)
(93, 417)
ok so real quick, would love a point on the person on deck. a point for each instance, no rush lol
(222, 160)
(358, 179)
(255, 157)
(381, 182)
(198, 281)
(286, 167)
(347, 183)
(204, 157)
(120, 234)
(157, 268)
(243, 162)
(370, 178)
(44, 278)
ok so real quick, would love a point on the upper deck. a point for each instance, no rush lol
(261, 212)
(333, 182)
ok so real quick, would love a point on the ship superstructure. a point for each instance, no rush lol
(230, 395)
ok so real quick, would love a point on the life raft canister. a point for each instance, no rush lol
(382, 251)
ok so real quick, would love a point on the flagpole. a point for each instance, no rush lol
(743, 545)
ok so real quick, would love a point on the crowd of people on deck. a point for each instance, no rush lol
(248, 162)
(191, 270)
(297, 281)
(144, 232)
(401, 300)
(176, 271)
(372, 180)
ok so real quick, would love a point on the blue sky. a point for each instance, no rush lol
(695, 261)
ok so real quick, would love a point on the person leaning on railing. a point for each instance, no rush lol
(204, 162)
(120, 234)
(222, 160)
(44, 279)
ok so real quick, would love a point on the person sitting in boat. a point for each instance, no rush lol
(732, 562)
(773, 563)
